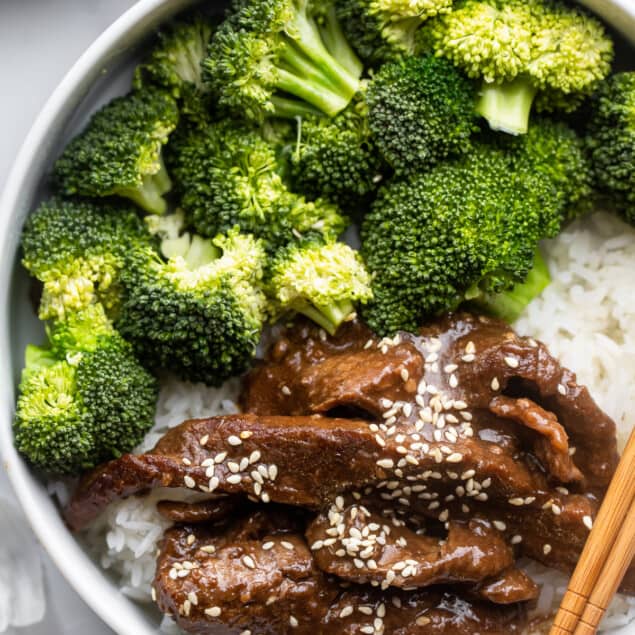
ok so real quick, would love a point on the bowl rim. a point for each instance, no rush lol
(85, 577)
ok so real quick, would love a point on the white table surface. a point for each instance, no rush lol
(39, 42)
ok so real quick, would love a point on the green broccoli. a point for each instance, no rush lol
(336, 158)
(227, 175)
(611, 142)
(466, 226)
(85, 399)
(270, 50)
(199, 313)
(76, 248)
(510, 304)
(555, 151)
(382, 30)
(174, 64)
(119, 152)
(421, 109)
(322, 280)
(523, 50)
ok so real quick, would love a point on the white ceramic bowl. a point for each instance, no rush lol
(99, 74)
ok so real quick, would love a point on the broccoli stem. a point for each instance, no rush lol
(290, 108)
(149, 195)
(337, 44)
(510, 304)
(507, 106)
(328, 317)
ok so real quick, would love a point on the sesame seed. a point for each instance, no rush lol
(556, 510)
(529, 500)
(367, 630)
(444, 515)
(500, 525)
(208, 549)
(234, 440)
(516, 539)
(455, 457)
(153, 592)
(405, 375)
(512, 362)
(265, 498)
(422, 621)
(368, 344)
(186, 461)
(346, 611)
(546, 549)
(193, 598)
(248, 561)
(495, 385)
(287, 545)
(470, 349)
(267, 545)
(516, 501)
(215, 611)
(189, 481)
(365, 610)
(454, 382)
(386, 463)
(273, 472)
(220, 457)
(468, 358)
(407, 409)
(191, 539)
(293, 622)
(588, 522)
(234, 479)
(234, 468)
(204, 439)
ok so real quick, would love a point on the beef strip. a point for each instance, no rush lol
(213, 510)
(358, 545)
(461, 357)
(259, 576)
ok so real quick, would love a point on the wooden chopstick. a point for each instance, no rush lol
(612, 574)
(606, 528)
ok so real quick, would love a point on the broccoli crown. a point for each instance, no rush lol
(520, 48)
(198, 315)
(336, 158)
(382, 30)
(268, 50)
(554, 150)
(611, 141)
(76, 248)
(175, 65)
(227, 176)
(466, 226)
(421, 109)
(119, 152)
(321, 280)
(85, 404)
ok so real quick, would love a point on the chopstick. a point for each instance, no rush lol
(606, 527)
(614, 569)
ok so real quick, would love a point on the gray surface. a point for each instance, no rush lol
(39, 41)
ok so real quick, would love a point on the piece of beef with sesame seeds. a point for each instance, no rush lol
(259, 576)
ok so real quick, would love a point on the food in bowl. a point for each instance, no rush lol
(263, 134)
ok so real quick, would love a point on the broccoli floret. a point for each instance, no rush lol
(611, 142)
(421, 109)
(510, 304)
(320, 280)
(175, 65)
(119, 152)
(523, 50)
(76, 248)
(336, 158)
(200, 313)
(84, 400)
(382, 30)
(228, 175)
(555, 151)
(270, 49)
(467, 225)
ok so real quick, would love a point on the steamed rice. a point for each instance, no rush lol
(586, 317)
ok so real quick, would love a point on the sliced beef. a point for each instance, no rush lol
(358, 545)
(259, 576)
(465, 359)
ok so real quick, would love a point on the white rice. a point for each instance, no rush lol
(586, 317)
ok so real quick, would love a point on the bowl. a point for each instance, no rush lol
(101, 72)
